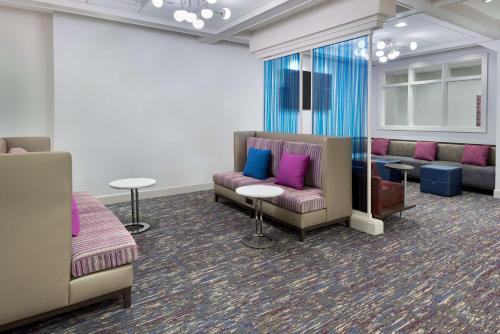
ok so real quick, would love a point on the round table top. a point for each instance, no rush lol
(134, 183)
(259, 191)
(399, 166)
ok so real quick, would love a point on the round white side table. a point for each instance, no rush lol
(258, 240)
(134, 185)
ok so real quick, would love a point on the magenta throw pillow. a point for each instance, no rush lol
(292, 170)
(426, 150)
(17, 150)
(380, 146)
(476, 155)
(75, 218)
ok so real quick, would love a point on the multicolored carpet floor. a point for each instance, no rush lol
(435, 270)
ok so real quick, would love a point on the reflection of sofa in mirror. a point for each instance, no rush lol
(387, 196)
(478, 177)
(46, 271)
(326, 197)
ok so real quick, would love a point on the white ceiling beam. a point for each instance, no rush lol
(442, 3)
(468, 19)
(265, 14)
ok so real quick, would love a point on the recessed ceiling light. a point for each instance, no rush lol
(413, 45)
(487, 1)
(401, 24)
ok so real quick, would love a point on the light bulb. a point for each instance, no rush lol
(226, 13)
(207, 13)
(381, 45)
(379, 53)
(396, 53)
(401, 24)
(180, 15)
(413, 46)
(157, 3)
(211, 1)
(190, 17)
(391, 55)
(198, 24)
(383, 59)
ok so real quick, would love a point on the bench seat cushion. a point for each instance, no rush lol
(103, 243)
(87, 203)
(306, 200)
(233, 180)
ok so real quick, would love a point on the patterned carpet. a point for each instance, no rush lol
(435, 270)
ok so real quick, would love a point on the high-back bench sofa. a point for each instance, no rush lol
(44, 270)
(327, 197)
(480, 177)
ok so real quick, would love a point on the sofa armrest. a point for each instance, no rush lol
(35, 233)
(30, 144)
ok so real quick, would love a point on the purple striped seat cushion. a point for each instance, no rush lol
(314, 151)
(87, 203)
(233, 180)
(275, 145)
(103, 243)
(306, 200)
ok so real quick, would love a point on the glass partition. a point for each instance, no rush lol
(340, 103)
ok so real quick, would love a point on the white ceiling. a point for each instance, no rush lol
(430, 33)
(491, 9)
(237, 7)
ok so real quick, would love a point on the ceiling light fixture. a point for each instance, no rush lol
(413, 45)
(401, 24)
(192, 11)
(379, 53)
(487, 1)
(157, 3)
(383, 59)
(381, 45)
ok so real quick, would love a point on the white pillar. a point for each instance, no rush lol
(497, 133)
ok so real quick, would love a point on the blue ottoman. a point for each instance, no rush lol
(441, 180)
(388, 174)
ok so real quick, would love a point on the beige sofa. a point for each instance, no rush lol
(36, 257)
(333, 192)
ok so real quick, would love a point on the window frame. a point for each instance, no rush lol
(444, 80)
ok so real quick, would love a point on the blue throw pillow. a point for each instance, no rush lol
(258, 163)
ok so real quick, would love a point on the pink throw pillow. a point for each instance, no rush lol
(425, 150)
(17, 150)
(75, 218)
(292, 170)
(380, 146)
(476, 155)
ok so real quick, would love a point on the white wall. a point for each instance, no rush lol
(26, 106)
(137, 102)
(489, 137)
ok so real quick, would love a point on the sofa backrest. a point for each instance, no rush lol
(446, 151)
(35, 231)
(335, 167)
(30, 144)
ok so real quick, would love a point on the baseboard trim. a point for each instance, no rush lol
(153, 193)
(496, 193)
(364, 222)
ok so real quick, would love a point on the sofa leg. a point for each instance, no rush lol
(127, 297)
(302, 235)
(348, 223)
(216, 198)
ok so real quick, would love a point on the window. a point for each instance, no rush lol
(436, 97)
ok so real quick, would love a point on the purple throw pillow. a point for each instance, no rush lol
(380, 146)
(17, 150)
(476, 155)
(75, 218)
(425, 150)
(292, 170)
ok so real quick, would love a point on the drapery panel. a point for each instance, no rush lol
(340, 102)
(282, 94)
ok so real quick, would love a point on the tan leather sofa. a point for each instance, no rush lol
(336, 179)
(35, 239)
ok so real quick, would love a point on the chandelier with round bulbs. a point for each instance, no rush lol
(194, 11)
(388, 50)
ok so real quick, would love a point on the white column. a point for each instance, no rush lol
(497, 133)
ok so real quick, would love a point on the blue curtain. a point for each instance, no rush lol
(340, 102)
(282, 94)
